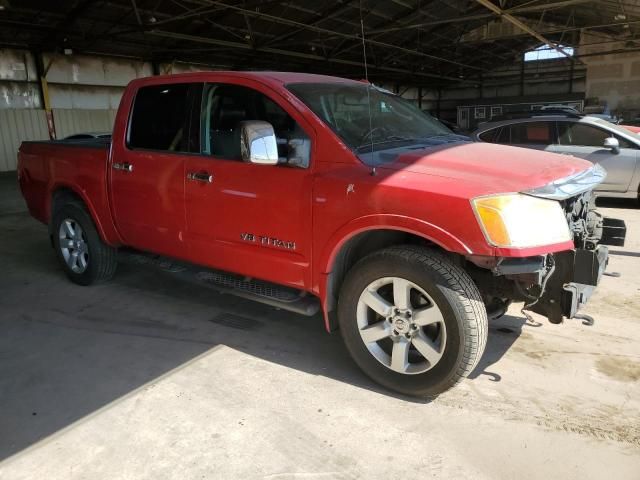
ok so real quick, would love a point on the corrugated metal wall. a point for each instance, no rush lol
(84, 93)
(69, 121)
(17, 125)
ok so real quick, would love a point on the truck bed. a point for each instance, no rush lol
(80, 166)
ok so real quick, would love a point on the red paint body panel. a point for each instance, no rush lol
(45, 168)
(631, 128)
(154, 208)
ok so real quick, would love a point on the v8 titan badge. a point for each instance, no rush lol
(268, 241)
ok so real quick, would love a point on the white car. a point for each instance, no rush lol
(615, 148)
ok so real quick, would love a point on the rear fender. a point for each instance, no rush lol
(105, 227)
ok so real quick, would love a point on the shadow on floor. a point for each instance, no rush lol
(11, 201)
(67, 351)
(622, 253)
(503, 333)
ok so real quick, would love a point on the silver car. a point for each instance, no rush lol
(616, 149)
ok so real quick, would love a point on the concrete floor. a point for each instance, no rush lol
(146, 377)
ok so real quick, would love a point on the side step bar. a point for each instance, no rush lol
(261, 291)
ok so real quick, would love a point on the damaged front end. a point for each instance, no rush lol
(556, 285)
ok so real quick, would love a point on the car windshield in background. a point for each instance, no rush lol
(369, 119)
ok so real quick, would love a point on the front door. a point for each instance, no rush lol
(587, 141)
(147, 169)
(247, 218)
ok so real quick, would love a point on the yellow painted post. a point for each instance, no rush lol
(44, 93)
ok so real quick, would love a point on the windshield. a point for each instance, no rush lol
(369, 119)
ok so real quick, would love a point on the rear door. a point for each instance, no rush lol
(147, 170)
(243, 217)
(587, 141)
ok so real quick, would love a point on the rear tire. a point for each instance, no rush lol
(428, 326)
(84, 257)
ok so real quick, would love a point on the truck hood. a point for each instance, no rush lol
(498, 168)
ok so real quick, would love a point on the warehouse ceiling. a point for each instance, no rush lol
(410, 41)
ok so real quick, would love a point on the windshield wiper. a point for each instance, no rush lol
(454, 137)
(441, 135)
(390, 138)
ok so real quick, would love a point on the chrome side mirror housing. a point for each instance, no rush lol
(258, 142)
(612, 144)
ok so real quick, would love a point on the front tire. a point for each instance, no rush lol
(85, 258)
(412, 320)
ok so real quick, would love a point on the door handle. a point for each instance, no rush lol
(126, 167)
(200, 177)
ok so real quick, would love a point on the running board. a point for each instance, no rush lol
(261, 291)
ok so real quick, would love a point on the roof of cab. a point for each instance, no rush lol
(280, 78)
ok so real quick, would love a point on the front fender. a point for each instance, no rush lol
(421, 228)
(389, 222)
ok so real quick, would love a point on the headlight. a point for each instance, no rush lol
(571, 186)
(517, 220)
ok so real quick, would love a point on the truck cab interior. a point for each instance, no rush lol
(225, 106)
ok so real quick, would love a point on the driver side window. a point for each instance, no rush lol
(224, 106)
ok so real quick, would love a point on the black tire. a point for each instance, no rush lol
(453, 292)
(102, 259)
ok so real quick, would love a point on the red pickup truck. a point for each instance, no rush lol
(314, 193)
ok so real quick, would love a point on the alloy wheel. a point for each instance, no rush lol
(73, 245)
(401, 325)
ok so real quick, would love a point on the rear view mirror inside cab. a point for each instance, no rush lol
(355, 100)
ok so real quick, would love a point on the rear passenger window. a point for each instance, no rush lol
(159, 120)
(532, 133)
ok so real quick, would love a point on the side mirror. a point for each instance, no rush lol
(612, 144)
(258, 142)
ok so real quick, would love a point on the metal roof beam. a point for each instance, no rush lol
(66, 23)
(481, 16)
(557, 30)
(294, 23)
(326, 15)
(278, 51)
(523, 26)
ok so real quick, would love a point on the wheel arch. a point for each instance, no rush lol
(62, 194)
(360, 242)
